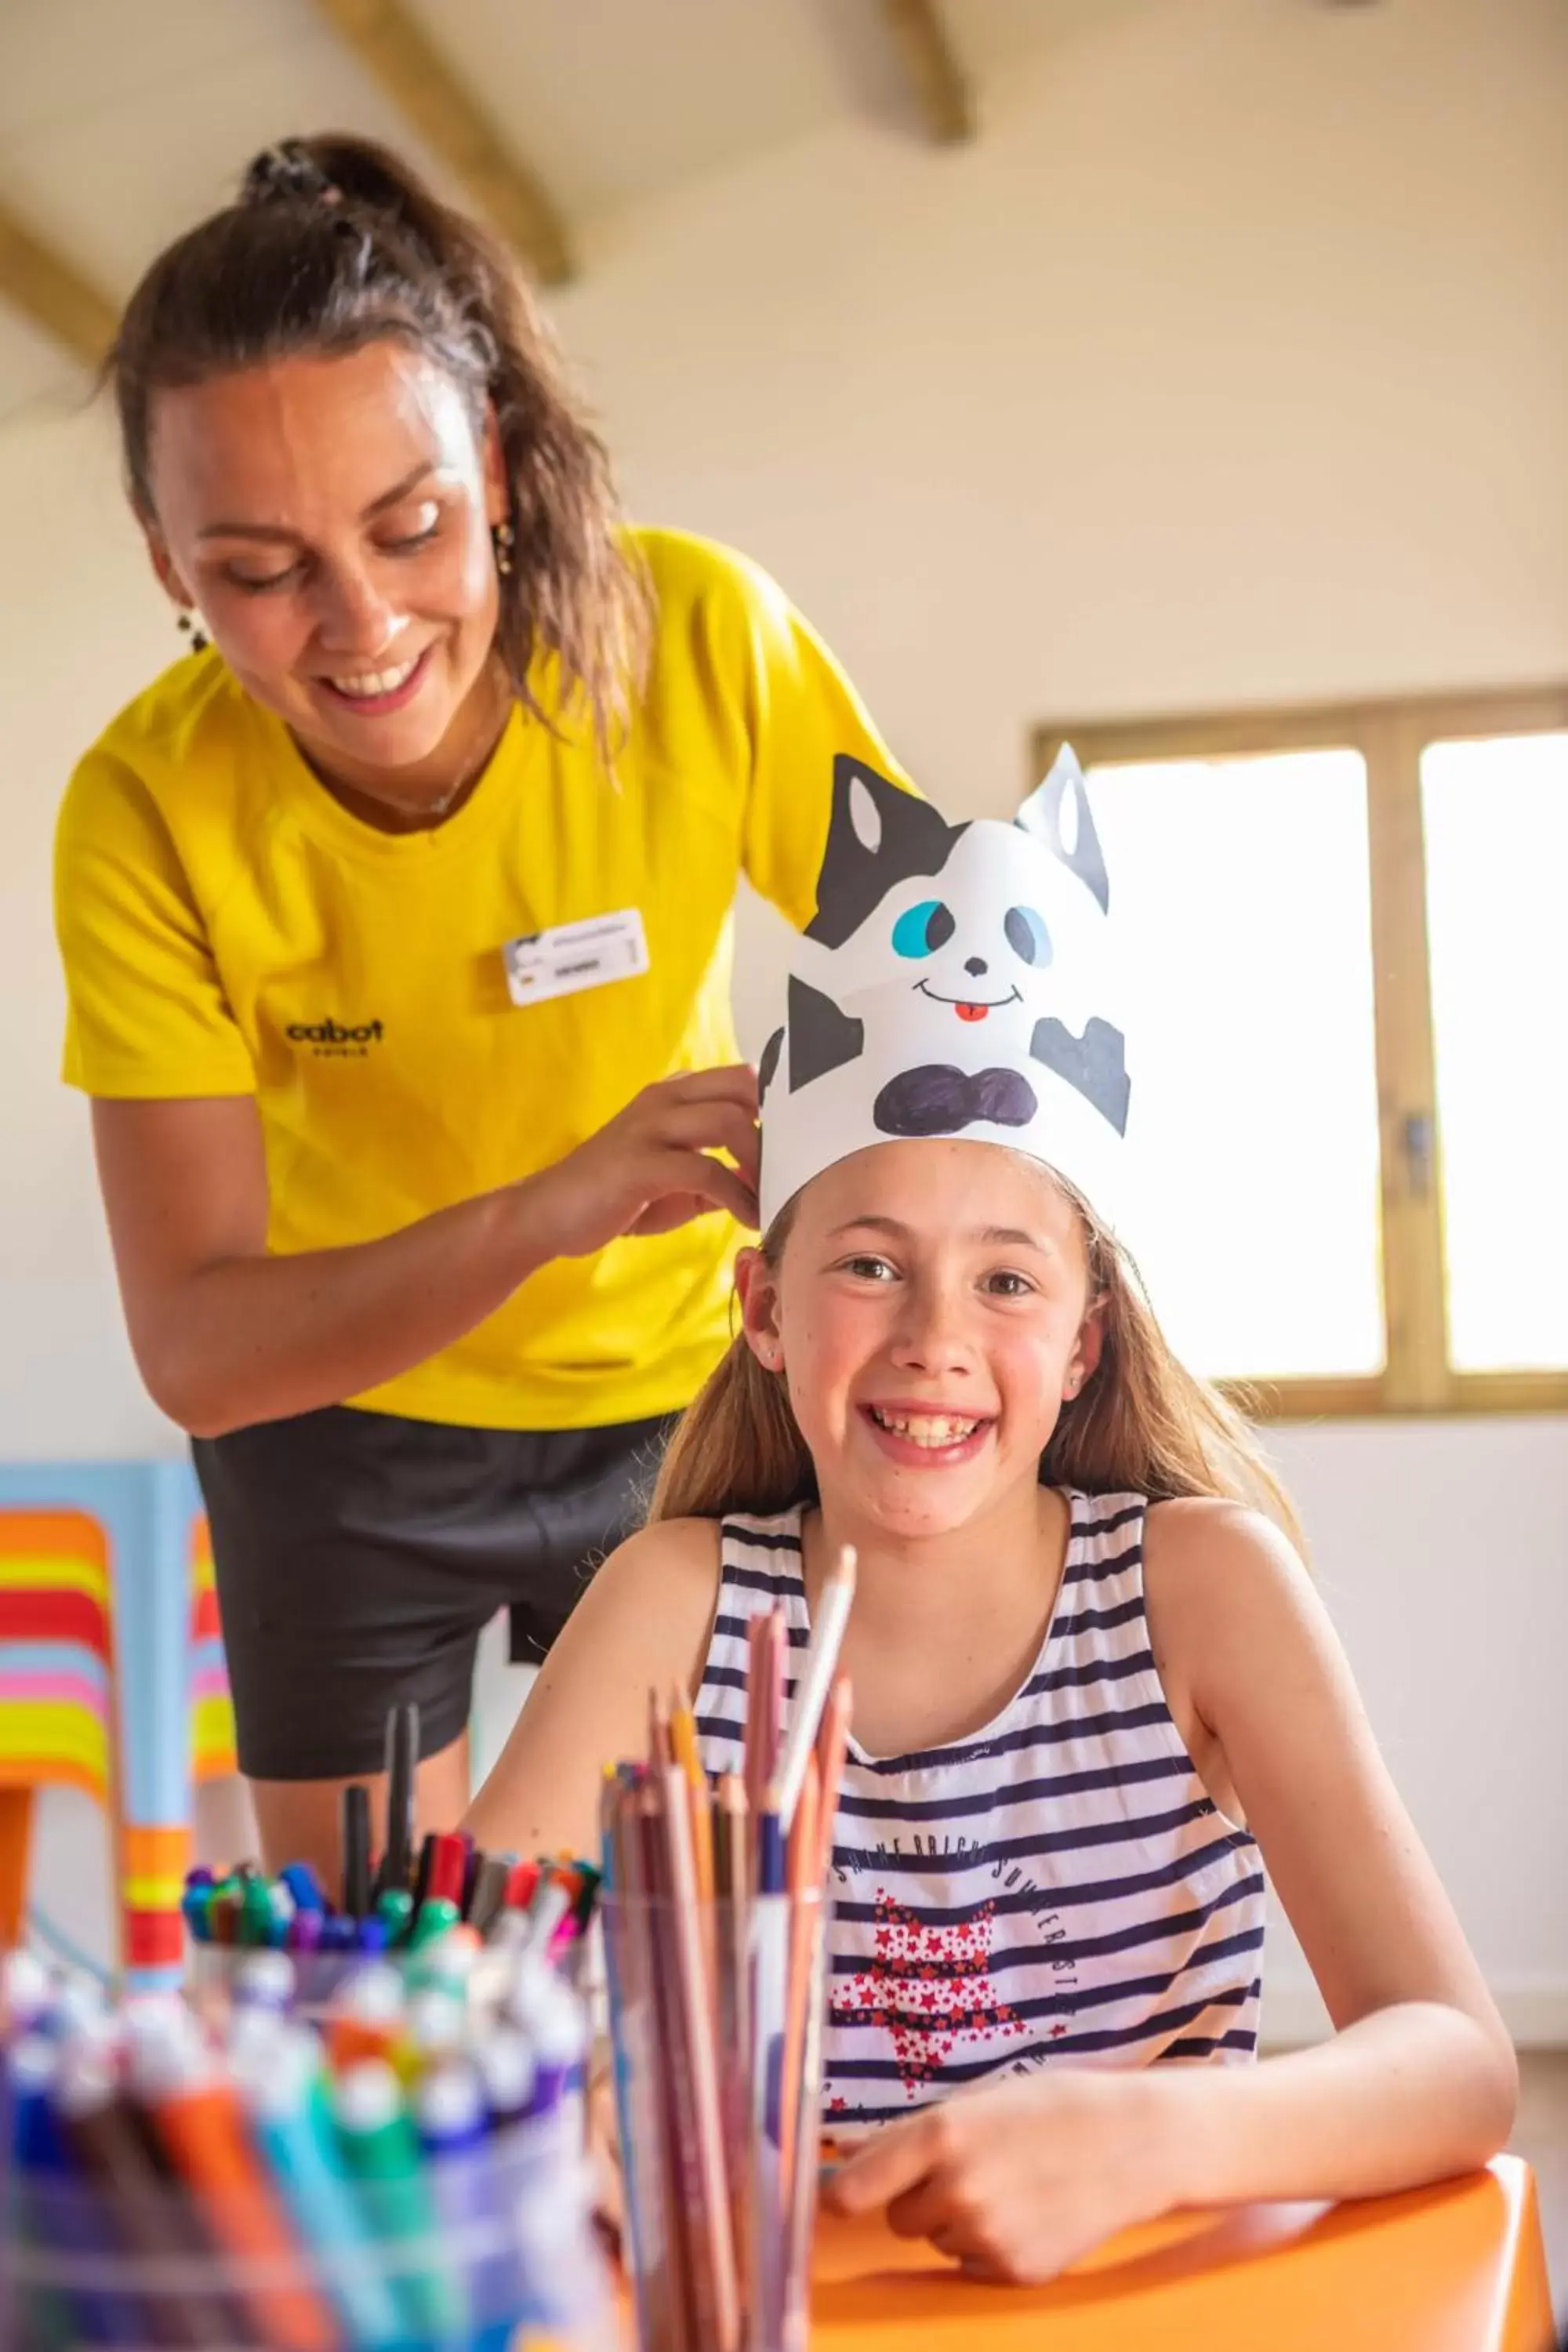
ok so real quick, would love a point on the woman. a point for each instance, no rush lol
(396, 925)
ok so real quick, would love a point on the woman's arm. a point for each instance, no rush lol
(643, 1625)
(1419, 2079)
(225, 1334)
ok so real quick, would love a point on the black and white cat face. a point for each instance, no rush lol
(987, 922)
(951, 984)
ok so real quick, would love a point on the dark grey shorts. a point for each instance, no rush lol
(359, 1555)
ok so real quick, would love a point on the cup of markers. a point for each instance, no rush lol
(405, 2172)
(396, 1905)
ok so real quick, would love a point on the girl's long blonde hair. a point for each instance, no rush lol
(1141, 1424)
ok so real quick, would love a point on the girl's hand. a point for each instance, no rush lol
(651, 1168)
(1019, 2180)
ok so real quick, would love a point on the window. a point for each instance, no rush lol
(1343, 940)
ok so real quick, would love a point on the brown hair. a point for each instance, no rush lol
(335, 243)
(1141, 1424)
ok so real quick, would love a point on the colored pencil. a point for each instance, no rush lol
(766, 1646)
(713, 2266)
(815, 1680)
(832, 1751)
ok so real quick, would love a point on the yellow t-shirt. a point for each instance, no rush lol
(229, 929)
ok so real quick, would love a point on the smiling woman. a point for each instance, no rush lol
(395, 923)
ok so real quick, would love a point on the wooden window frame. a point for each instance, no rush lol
(1390, 735)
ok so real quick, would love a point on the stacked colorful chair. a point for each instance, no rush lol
(111, 1678)
(56, 1680)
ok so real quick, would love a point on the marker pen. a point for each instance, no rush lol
(436, 2023)
(520, 1884)
(448, 2109)
(447, 1960)
(433, 1919)
(401, 1764)
(506, 2069)
(394, 1908)
(541, 2005)
(304, 1886)
(77, 2007)
(60, 2210)
(254, 1925)
(195, 1904)
(382, 2154)
(26, 1989)
(144, 2222)
(448, 1869)
(305, 1931)
(422, 1868)
(356, 1850)
(197, 2121)
(367, 2018)
(265, 1980)
(281, 1907)
(491, 1883)
(280, 2076)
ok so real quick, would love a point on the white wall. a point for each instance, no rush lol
(1226, 367)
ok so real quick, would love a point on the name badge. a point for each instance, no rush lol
(572, 955)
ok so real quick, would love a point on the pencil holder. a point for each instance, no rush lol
(716, 2012)
(487, 2250)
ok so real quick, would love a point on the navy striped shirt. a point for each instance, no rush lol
(1060, 1886)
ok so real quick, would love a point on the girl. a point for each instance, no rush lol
(410, 1196)
(1095, 1692)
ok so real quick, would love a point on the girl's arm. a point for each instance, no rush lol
(643, 1625)
(1419, 2079)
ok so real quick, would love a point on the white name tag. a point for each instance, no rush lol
(570, 956)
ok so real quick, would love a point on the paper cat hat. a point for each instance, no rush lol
(952, 983)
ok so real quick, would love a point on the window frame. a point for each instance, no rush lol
(1390, 734)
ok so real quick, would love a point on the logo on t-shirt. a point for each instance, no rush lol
(333, 1037)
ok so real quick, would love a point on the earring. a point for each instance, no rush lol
(190, 627)
(503, 536)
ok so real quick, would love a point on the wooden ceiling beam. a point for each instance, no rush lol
(52, 293)
(396, 52)
(939, 85)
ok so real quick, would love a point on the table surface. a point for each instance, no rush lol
(1456, 2268)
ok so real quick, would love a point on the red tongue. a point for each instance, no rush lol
(971, 1011)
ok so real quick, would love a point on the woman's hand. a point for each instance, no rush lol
(651, 1168)
(1019, 2180)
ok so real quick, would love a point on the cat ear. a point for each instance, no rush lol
(1057, 814)
(877, 835)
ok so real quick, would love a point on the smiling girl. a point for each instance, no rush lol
(1095, 1692)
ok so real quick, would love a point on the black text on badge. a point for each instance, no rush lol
(569, 957)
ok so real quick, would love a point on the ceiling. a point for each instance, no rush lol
(122, 122)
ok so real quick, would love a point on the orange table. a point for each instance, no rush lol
(1459, 2268)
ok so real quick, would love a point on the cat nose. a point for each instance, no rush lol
(976, 965)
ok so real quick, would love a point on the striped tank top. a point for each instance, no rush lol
(1060, 1886)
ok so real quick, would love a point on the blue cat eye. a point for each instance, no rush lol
(1026, 935)
(921, 929)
